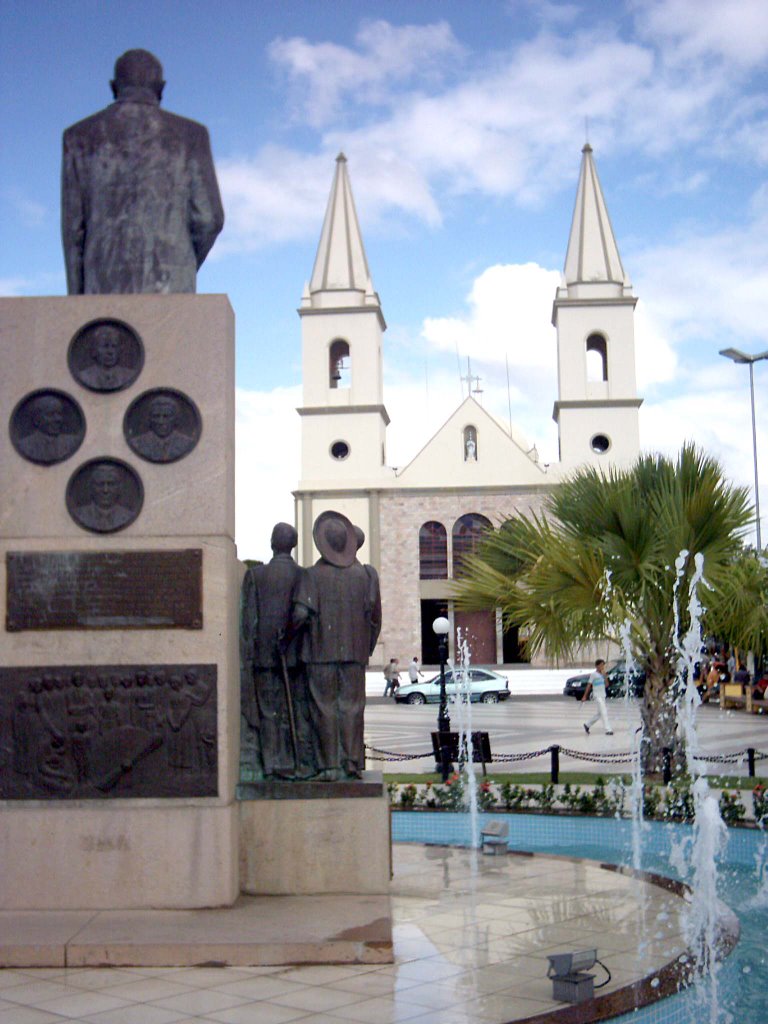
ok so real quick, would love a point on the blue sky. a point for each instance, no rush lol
(463, 125)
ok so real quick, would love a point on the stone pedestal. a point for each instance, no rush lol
(93, 677)
(306, 838)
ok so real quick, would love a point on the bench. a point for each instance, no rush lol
(493, 838)
(732, 696)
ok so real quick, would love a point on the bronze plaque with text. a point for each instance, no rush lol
(104, 590)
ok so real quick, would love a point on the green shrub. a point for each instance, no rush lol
(450, 795)
(408, 796)
(678, 805)
(732, 810)
(486, 798)
(652, 802)
(544, 797)
(512, 796)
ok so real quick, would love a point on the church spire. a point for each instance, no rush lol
(340, 265)
(593, 255)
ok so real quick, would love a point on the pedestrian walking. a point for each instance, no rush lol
(414, 671)
(596, 685)
(392, 677)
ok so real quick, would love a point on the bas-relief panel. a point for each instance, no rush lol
(106, 731)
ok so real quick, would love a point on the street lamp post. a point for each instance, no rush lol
(741, 357)
(440, 627)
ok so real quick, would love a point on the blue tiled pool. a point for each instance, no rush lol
(743, 887)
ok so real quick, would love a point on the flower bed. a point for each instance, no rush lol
(603, 799)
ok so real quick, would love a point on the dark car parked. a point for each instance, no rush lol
(614, 687)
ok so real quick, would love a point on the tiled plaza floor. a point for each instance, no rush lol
(472, 934)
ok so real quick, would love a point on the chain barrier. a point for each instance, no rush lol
(392, 755)
(609, 757)
(521, 757)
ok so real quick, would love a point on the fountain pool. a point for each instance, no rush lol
(743, 979)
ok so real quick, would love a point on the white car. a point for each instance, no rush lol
(486, 686)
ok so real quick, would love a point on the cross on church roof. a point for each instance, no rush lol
(471, 378)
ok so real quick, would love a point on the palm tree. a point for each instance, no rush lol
(613, 557)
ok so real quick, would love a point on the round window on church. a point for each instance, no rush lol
(600, 443)
(339, 450)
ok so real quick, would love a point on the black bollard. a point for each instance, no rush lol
(751, 761)
(555, 769)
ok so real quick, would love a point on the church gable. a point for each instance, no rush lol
(472, 449)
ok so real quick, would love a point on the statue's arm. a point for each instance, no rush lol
(72, 218)
(249, 614)
(374, 600)
(206, 213)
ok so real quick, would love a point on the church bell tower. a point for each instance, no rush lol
(597, 407)
(343, 419)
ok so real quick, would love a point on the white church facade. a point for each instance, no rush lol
(421, 519)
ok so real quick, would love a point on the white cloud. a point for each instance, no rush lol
(275, 196)
(280, 195)
(655, 359)
(507, 334)
(708, 288)
(509, 315)
(736, 31)
(421, 126)
(325, 74)
(268, 444)
(715, 413)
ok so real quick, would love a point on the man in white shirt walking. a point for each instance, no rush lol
(414, 671)
(596, 685)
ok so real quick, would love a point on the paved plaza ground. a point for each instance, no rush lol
(471, 939)
(532, 721)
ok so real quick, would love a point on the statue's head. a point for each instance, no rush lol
(284, 539)
(163, 415)
(138, 69)
(335, 538)
(105, 345)
(48, 415)
(105, 486)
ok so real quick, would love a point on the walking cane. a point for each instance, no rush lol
(289, 705)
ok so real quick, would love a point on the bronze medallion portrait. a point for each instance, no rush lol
(162, 425)
(47, 426)
(105, 355)
(104, 495)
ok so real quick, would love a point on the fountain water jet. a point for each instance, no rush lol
(464, 713)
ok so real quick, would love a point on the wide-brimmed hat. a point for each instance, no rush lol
(327, 537)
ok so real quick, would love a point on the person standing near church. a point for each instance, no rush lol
(391, 677)
(414, 671)
(596, 685)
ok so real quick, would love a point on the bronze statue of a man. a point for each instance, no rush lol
(338, 604)
(269, 670)
(140, 203)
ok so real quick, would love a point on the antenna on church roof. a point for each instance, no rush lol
(458, 364)
(586, 131)
(509, 393)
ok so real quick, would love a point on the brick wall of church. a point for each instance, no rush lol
(402, 514)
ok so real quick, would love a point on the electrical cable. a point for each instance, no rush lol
(603, 983)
